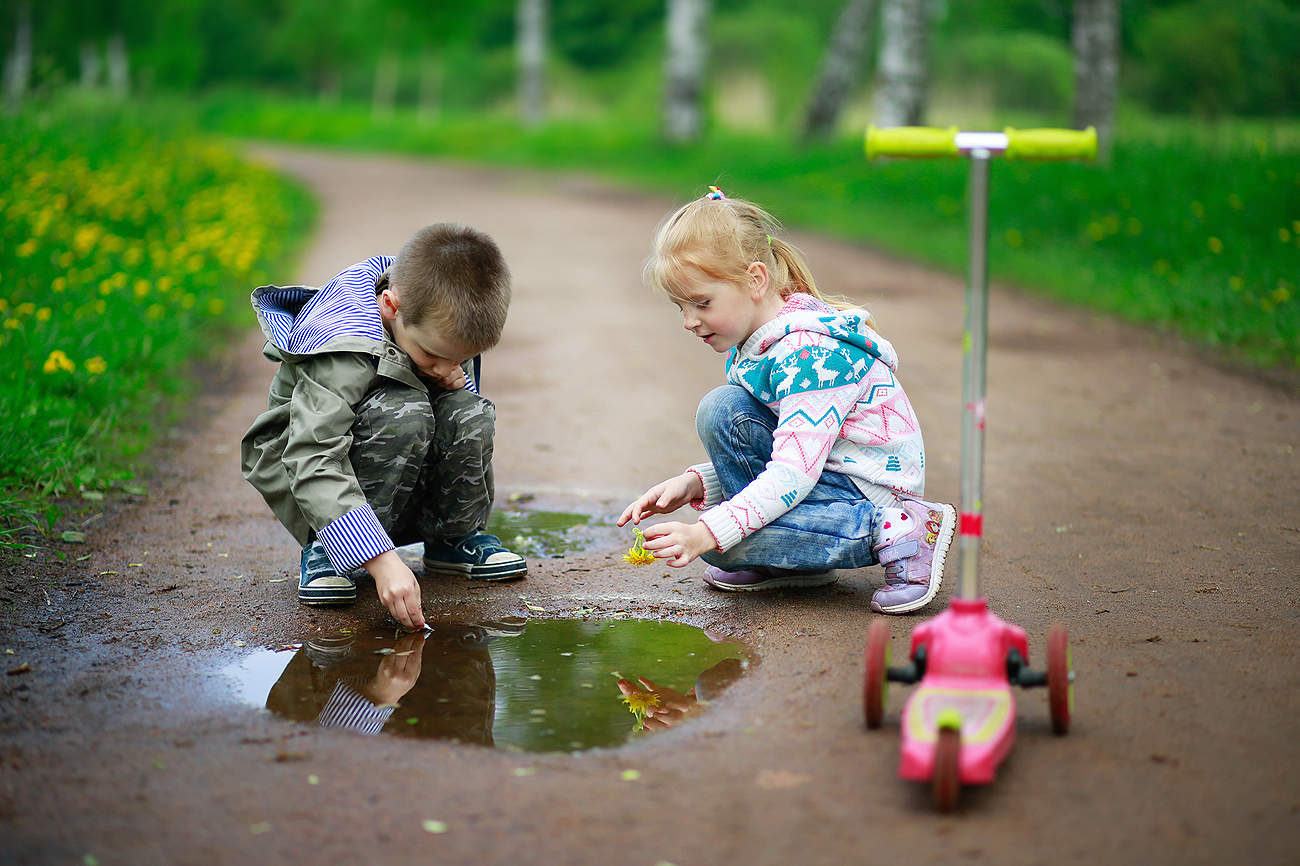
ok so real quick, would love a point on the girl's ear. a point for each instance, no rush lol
(758, 279)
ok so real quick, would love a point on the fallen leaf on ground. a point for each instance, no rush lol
(776, 780)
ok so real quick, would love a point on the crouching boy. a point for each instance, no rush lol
(375, 435)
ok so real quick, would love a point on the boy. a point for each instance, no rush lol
(376, 435)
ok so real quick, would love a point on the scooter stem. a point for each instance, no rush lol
(974, 350)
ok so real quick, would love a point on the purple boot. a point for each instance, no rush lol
(912, 546)
(764, 577)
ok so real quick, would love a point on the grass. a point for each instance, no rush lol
(128, 247)
(1190, 229)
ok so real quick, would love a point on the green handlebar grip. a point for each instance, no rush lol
(915, 141)
(1049, 144)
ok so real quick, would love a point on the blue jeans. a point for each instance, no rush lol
(833, 527)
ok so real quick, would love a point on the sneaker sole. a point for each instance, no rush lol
(773, 583)
(326, 596)
(947, 527)
(505, 571)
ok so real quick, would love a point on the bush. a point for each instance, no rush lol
(1026, 71)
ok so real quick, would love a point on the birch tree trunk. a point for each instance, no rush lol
(18, 65)
(1095, 37)
(430, 87)
(92, 65)
(119, 70)
(903, 70)
(839, 68)
(385, 93)
(684, 69)
(531, 52)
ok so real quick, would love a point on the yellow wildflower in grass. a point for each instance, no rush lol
(638, 555)
(1284, 235)
(58, 361)
(638, 703)
(43, 314)
(12, 324)
(1215, 245)
(96, 365)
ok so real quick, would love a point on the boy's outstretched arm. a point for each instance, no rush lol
(397, 588)
(665, 497)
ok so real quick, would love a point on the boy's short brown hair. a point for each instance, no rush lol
(453, 278)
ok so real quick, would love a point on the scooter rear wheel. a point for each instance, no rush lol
(946, 781)
(1060, 691)
(877, 665)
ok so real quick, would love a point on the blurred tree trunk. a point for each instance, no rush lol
(684, 69)
(430, 87)
(531, 52)
(839, 68)
(92, 65)
(1095, 38)
(385, 95)
(903, 70)
(119, 69)
(18, 65)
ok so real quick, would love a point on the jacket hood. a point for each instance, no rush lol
(301, 320)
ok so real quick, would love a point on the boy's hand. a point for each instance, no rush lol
(397, 673)
(679, 543)
(397, 588)
(665, 497)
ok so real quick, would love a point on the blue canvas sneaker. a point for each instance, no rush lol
(479, 555)
(320, 583)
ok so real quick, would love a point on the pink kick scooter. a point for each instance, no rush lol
(959, 724)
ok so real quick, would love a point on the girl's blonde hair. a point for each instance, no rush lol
(720, 237)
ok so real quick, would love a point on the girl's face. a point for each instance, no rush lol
(724, 314)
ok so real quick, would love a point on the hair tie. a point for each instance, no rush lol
(715, 194)
(769, 240)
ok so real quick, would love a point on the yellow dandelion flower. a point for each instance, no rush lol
(43, 314)
(12, 324)
(26, 248)
(639, 703)
(96, 365)
(60, 284)
(141, 288)
(1236, 283)
(25, 309)
(1284, 235)
(1234, 201)
(4, 305)
(637, 554)
(1215, 245)
(1198, 209)
(58, 361)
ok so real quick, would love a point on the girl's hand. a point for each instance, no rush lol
(665, 497)
(679, 543)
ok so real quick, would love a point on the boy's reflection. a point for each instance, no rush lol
(442, 679)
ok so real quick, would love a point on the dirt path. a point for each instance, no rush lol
(1138, 494)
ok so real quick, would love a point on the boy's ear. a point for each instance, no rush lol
(388, 305)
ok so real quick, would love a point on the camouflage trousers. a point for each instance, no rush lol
(424, 461)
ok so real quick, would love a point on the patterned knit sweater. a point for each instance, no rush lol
(830, 380)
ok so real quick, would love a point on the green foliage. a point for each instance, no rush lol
(1026, 71)
(1212, 59)
(127, 249)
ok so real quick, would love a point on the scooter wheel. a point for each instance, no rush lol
(946, 781)
(877, 664)
(1060, 690)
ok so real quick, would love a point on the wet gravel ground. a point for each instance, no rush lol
(1141, 495)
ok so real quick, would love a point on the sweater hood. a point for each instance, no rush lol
(846, 326)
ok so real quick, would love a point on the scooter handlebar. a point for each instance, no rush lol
(1052, 144)
(923, 142)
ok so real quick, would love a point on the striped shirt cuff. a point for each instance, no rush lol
(347, 708)
(355, 537)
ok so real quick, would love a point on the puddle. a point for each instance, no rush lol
(538, 685)
(540, 533)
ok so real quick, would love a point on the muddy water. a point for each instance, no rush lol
(537, 685)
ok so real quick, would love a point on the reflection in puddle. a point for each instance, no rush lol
(540, 533)
(538, 685)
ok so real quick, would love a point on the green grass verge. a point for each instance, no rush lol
(1191, 229)
(128, 248)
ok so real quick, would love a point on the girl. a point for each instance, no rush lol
(815, 455)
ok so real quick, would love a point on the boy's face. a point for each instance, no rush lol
(434, 356)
